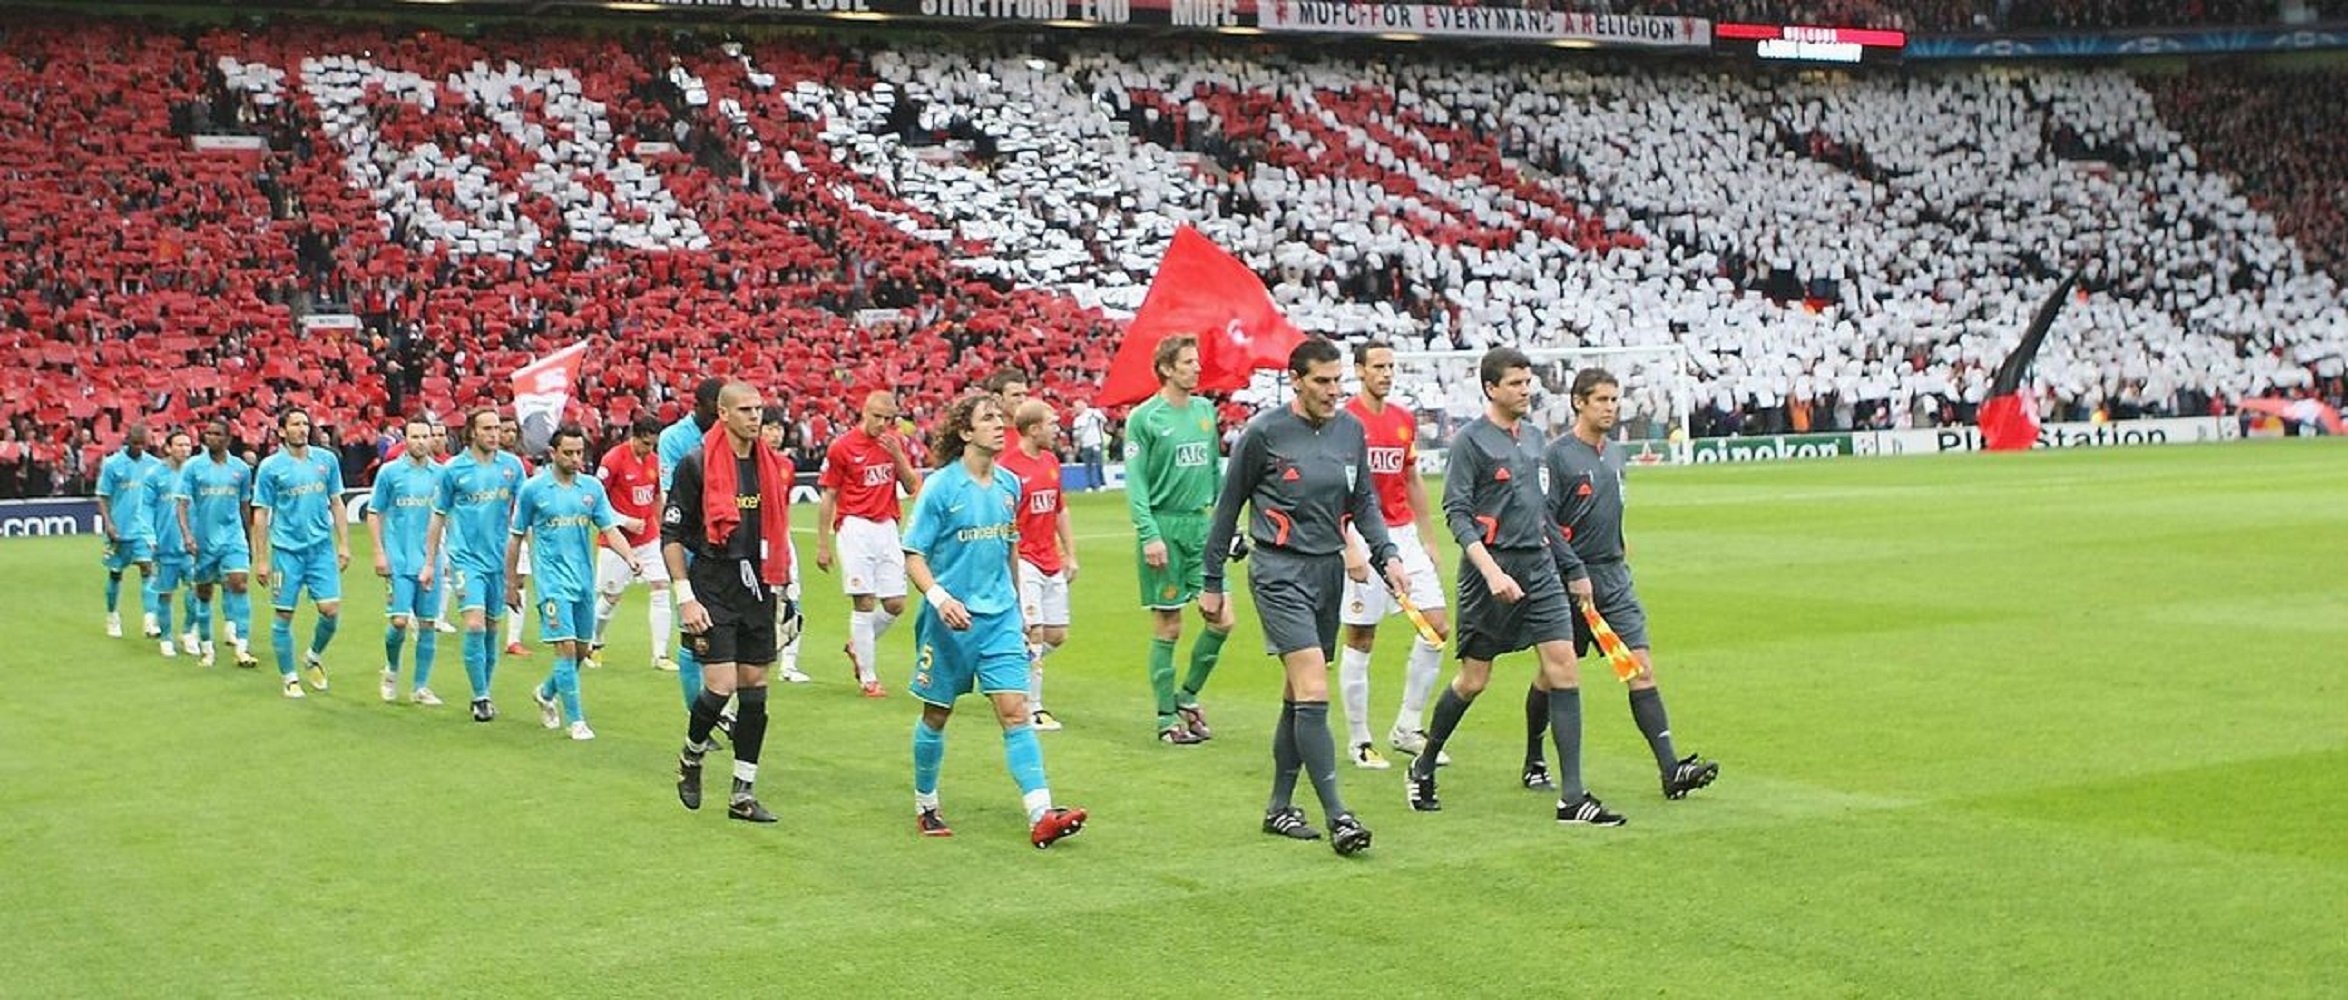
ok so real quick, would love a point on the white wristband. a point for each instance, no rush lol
(936, 595)
(684, 592)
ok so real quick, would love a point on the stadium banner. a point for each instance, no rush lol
(2315, 38)
(2160, 430)
(1509, 23)
(1775, 448)
(1051, 13)
(48, 516)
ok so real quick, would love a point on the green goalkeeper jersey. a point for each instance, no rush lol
(1170, 463)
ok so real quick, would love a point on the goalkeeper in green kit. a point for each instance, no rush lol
(1172, 477)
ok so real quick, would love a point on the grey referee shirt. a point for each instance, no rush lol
(1494, 492)
(1304, 482)
(1585, 496)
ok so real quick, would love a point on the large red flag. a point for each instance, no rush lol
(1205, 292)
(542, 389)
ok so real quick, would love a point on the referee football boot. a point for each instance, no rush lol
(1347, 835)
(1176, 736)
(1290, 823)
(1588, 812)
(1421, 789)
(1536, 776)
(1056, 826)
(689, 777)
(1197, 721)
(1691, 773)
(931, 824)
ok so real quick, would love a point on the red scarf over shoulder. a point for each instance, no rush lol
(720, 514)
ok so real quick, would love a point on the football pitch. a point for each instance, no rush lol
(2062, 724)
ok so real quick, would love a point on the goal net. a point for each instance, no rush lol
(1445, 391)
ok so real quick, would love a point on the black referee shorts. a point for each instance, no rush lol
(1618, 603)
(1489, 628)
(741, 620)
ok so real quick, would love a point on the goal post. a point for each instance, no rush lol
(1658, 393)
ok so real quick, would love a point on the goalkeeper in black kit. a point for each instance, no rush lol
(1586, 501)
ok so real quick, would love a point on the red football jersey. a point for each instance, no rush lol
(858, 467)
(1393, 437)
(1040, 505)
(632, 483)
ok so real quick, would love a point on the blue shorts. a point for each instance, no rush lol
(990, 656)
(410, 599)
(170, 573)
(483, 592)
(568, 619)
(215, 563)
(296, 570)
(128, 552)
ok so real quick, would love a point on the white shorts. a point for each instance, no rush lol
(611, 569)
(872, 558)
(1043, 597)
(1368, 603)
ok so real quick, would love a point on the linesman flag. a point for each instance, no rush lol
(2009, 417)
(1618, 654)
(542, 389)
(1203, 291)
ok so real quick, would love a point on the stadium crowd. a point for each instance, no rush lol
(1856, 250)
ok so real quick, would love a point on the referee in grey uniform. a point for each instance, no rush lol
(1512, 593)
(1585, 500)
(1304, 471)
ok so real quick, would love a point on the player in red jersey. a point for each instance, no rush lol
(1392, 433)
(861, 473)
(631, 479)
(1047, 552)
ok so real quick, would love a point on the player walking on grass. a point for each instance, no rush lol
(1047, 549)
(1392, 433)
(471, 517)
(1171, 481)
(126, 513)
(1586, 502)
(1302, 470)
(1514, 579)
(214, 499)
(861, 472)
(298, 524)
(399, 519)
(559, 513)
(962, 552)
(173, 565)
(729, 511)
(630, 474)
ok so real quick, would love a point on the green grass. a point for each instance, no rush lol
(2051, 724)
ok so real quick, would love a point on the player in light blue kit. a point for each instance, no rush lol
(560, 512)
(126, 515)
(399, 519)
(173, 564)
(677, 441)
(476, 496)
(214, 497)
(962, 553)
(298, 522)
